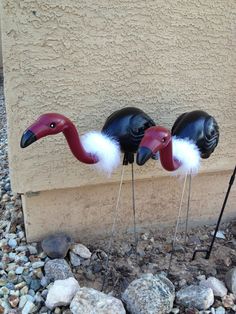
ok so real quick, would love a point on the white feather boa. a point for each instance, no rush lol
(186, 152)
(105, 148)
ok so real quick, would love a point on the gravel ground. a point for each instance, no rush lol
(22, 278)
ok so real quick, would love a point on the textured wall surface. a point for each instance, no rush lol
(87, 59)
(87, 213)
(0, 45)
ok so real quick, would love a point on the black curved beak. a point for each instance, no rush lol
(27, 139)
(143, 154)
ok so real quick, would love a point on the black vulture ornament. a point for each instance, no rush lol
(194, 135)
(122, 132)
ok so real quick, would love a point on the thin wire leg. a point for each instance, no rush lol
(177, 224)
(113, 229)
(188, 207)
(134, 210)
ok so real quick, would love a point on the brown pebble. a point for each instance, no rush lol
(13, 300)
(228, 301)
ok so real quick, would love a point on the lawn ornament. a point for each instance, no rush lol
(121, 133)
(194, 135)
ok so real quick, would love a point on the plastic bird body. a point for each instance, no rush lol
(194, 135)
(122, 132)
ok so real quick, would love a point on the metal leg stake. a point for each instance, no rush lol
(208, 252)
(113, 230)
(177, 225)
(188, 207)
(134, 210)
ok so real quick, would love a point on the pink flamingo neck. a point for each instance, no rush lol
(167, 160)
(73, 140)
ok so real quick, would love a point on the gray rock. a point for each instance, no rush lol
(44, 281)
(74, 259)
(230, 280)
(32, 249)
(7, 187)
(150, 294)
(10, 286)
(67, 312)
(90, 301)
(216, 285)
(57, 269)
(81, 250)
(43, 310)
(44, 293)
(4, 291)
(61, 293)
(35, 284)
(56, 246)
(195, 296)
(31, 292)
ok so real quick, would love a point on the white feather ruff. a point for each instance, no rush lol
(188, 154)
(106, 149)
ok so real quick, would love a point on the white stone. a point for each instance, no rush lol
(12, 256)
(91, 301)
(21, 234)
(10, 236)
(23, 300)
(38, 264)
(195, 296)
(219, 234)
(81, 250)
(201, 277)
(12, 243)
(19, 270)
(220, 310)
(28, 307)
(61, 293)
(218, 287)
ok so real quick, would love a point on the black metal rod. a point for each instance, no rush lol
(208, 252)
(134, 211)
(231, 181)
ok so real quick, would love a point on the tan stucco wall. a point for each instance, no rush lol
(86, 60)
(0, 45)
(87, 212)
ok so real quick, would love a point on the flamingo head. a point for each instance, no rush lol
(155, 139)
(46, 124)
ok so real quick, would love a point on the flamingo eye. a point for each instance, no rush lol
(163, 139)
(52, 125)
